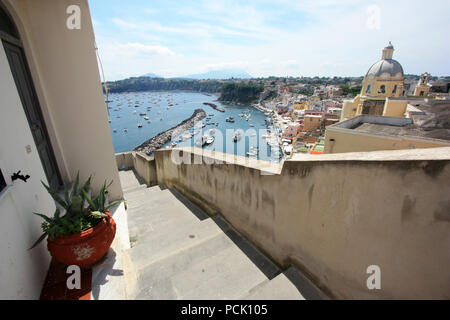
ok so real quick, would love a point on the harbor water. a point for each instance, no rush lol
(136, 117)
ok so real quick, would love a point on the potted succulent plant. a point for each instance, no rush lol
(85, 231)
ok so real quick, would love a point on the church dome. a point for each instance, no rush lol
(389, 66)
(386, 65)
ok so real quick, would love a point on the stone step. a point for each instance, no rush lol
(139, 192)
(148, 212)
(214, 268)
(159, 243)
(270, 269)
(132, 189)
(279, 288)
(305, 286)
(128, 178)
(178, 252)
(148, 220)
(146, 201)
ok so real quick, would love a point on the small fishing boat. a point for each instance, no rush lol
(200, 142)
(237, 136)
(139, 125)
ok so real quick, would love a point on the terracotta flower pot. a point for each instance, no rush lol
(85, 248)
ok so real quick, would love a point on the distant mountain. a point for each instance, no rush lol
(151, 75)
(220, 74)
(213, 74)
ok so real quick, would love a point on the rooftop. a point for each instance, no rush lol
(430, 121)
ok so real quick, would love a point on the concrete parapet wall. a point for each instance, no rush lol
(334, 216)
(141, 163)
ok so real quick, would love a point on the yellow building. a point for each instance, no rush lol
(384, 80)
(311, 122)
(365, 133)
(423, 87)
(301, 106)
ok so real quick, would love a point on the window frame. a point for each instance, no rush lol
(3, 184)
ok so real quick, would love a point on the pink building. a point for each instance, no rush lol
(291, 131)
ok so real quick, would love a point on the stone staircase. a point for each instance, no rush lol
(178, 252)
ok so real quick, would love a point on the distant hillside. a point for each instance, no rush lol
(160, 84)
(220, 74)
(241, 92)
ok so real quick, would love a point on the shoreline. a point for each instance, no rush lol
(155, 143)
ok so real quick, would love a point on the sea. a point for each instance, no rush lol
(167, 109)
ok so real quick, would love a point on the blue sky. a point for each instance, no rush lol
(276, 37)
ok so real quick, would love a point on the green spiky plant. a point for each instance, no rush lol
(81, 211)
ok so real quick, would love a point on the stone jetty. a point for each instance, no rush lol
(215, 107)
(162, 138)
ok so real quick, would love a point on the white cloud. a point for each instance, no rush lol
(124, 24)
(138, 49)
(332, 38)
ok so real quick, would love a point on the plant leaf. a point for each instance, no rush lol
(47, 219)
(112, 204)
(75, 185)
(66, 192)
(98, 214)
(57, 213)
(55, 196)
(42, 237)
(87, 184)
(89, 200)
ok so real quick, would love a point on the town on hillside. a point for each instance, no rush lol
(319, 116)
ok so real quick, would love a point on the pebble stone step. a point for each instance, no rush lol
(178, 252)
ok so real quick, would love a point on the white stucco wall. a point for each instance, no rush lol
(64, 68)
(22, 272)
